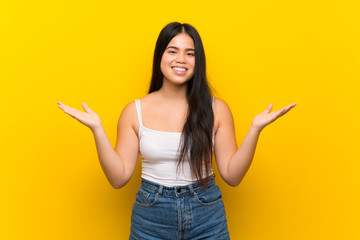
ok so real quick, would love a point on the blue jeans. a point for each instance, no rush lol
(186, 212)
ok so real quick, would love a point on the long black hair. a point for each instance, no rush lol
(197, 138)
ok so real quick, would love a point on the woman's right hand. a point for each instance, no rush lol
(88, 118)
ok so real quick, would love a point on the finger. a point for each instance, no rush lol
(61, 105)
(86, 107)
(275, 115)
(286, 109)
(268, 109)
(71, 111)
(289, 107)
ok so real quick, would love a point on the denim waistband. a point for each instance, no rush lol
(178, 190)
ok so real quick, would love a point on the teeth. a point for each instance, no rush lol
(179, 69)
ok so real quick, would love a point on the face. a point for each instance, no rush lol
(178, 60)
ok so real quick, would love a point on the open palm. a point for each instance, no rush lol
(88, 118)
(265, 118)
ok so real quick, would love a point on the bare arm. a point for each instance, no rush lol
(119, 164)
(233, 163)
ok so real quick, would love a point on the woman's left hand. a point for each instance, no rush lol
(267, 117)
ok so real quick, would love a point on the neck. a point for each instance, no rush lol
(173, 92)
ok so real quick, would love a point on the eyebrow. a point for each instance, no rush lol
(187, 49)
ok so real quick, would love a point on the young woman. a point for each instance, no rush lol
(176, 128)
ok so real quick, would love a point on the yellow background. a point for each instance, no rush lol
(304, 181)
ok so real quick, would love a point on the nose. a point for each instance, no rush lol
(180, 58)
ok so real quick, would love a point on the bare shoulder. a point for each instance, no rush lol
(222, 113)
(221, 108)
(128, 117)
(129, 109)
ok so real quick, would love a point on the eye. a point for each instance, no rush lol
(191, 54)
(171, 52)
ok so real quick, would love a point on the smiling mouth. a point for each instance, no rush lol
(179, 69)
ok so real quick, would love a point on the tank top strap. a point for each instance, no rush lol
(138, 110)
(213, 132)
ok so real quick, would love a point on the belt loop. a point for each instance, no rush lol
(191, 190)
(160, 189)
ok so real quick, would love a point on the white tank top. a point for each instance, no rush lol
(160, 153)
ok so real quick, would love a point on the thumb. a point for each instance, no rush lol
(86, 107)
(268, 109)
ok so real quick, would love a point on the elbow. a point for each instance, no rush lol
(119, 184)
(234, 182)
(116, 186)
(229, 181)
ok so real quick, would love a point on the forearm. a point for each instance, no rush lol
(241, 160)
(110, 161)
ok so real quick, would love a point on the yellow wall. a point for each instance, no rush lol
(304, 181)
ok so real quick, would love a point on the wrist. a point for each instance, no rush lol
(97, 129)
(255, 130)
